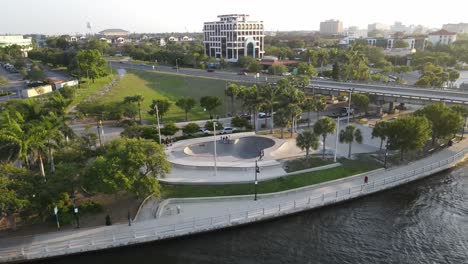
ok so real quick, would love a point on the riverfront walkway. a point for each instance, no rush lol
(186, 216)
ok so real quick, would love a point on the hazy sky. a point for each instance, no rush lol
(70, 16)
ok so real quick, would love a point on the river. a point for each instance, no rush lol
(421, 222)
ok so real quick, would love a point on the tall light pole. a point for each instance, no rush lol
(99, 125)
(257, 170)
(75, 209)
(349, 104)
(214, 144)
(337, 135)
(157, 119)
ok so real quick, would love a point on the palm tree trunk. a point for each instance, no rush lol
(272, 121)
(41, 166)
(308, 119)
(139, 111)
(349, 150)
(232, 106)
(292, 127)
(307, 155)
(51, 160)
(323, 152)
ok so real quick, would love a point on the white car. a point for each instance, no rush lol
(286, 74)
(228, 130)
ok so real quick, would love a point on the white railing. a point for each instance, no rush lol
(120, 235)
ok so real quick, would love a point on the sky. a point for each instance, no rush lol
(54, 17)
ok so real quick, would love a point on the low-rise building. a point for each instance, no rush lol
(457, 28)
(442, 37)
(24, 43)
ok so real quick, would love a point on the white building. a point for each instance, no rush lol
(355, 32)
(378, 26)
(234, 36)
(457, 28)
(331, 27)
(25, 43)
(442, 37)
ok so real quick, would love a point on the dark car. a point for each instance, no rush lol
(210, 70)
(242, 73)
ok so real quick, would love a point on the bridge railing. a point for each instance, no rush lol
(153, 230)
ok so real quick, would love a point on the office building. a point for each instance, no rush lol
(331, 27)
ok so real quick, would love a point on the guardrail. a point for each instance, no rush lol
(151, 230)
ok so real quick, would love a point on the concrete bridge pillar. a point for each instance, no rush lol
(391, 108)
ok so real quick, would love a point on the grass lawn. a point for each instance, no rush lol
(301, 164)
(171, 87)
(349, 168)
(86, 92)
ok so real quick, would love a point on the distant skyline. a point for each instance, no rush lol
(150, 16)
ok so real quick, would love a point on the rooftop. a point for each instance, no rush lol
(113, 30)
(442, 32)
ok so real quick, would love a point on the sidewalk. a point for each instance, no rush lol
(198, 215)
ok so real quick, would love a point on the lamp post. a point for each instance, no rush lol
(214, 144)
(257, 170)
(386, 155)
(56, 217)
(75, 209)
(157, 119)
(336, 139)
(99, 125)
(349, 104)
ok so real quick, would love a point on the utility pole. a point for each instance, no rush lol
(157, 119)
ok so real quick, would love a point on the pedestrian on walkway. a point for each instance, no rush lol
(366, 179)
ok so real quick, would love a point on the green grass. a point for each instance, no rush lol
(349, 168)
(171, 87)
(301, 164)
(85, 92)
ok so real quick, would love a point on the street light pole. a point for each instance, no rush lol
(336, 139)
(214, 144)
(99, 125)
(386, 155)
(257, 170)
(349, 105)
(157, 119)
(75, 209)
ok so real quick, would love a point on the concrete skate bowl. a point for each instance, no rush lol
(241, 148)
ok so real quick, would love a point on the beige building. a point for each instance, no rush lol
(234, 36)
(331, 27)
(25, 43)
(442, 37)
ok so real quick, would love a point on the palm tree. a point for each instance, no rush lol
(320, 104)
(269, 97)
(232, 91)
(380, 131)
(136, 98)
(323, 127)
(307, 140)
(291, 99)
(349, 135)
(252, 101)
(282, 120)
(309, 105)
(322, 58)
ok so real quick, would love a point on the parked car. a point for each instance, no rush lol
(346, 110)
(286, 74)
(210, 70)
(246, 116)
(332, 101)
(242, 73)
(228, 130)
(262, 115)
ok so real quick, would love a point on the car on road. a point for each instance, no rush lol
(228, 130)
(246, 116)
(242, 73)
(286, 74)
(210, 70)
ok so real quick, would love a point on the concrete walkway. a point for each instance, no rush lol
(186, 216)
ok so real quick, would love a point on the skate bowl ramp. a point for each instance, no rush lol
(242, 148)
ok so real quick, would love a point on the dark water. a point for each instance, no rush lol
(422, 222)
(243, 148)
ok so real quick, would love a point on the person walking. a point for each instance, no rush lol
(366, 179)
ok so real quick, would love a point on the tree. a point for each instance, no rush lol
(269, 97)
(307, 140)
(3, 81)
(309, 105)
(306, 69)
(209, 125)
(163, 107)
(240, 122)
(169, 129)
(349, 135)
(251, 99)
(191, 128)
(336, 71)
(380, 130)
(210, 103)
(89, 63)
(128, 164)
(322, 58)
(400, 44)
(186, 104)
(323, 127)
(136, 98)
(463, 111)
(36, 73)
(255, 67)
(277, 69)
(320, 103)
(361, 102)
(444, 121)
(408, 133)
(282, 120)
(232, 91)
(453, 76)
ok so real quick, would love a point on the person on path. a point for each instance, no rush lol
(366, 179)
